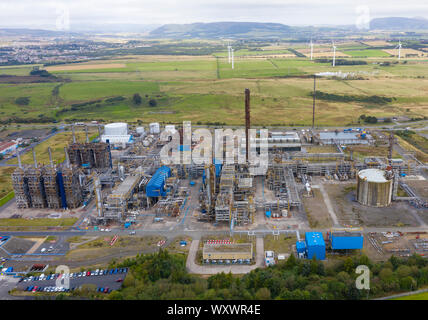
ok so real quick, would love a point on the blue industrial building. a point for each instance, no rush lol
(345, 240)
(301, 247)
(156, 186)
(315, 245)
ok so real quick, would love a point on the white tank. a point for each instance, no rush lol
(170, 128)
(140, 130)
(116, 129)
(154, 128)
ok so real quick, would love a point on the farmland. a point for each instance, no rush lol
(205, 89)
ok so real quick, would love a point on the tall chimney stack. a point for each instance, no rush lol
(74, 134)
(34, 158)
(313, 104)
(50, 157)
(247, 122)
(67, 158)
(86, 133)
(19, 159)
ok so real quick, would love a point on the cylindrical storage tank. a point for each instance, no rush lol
(154, 128)
(374, 188)
(140, 130)
(116, 129)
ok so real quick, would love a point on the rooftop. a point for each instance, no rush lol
(374, 175)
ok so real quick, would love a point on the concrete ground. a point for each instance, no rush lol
(192, 267)
(104, 281)
(7, 283)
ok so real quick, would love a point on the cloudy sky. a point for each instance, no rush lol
(51, 14)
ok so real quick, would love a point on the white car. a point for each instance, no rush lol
(43, 250)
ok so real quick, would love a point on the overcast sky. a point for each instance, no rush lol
(51, 14)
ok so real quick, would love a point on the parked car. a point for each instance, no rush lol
(106, 290)
(119, 280)
(35, 289)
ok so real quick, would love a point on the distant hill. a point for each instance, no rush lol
(222, 30)
(399, 23)
(32, 32)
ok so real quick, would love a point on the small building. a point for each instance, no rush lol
(269, 258)
(7, 147)
(315, 245)
(228, 251)
(347, 240)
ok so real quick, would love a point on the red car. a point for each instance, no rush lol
(106, 290)
(119, 280)
(88, 273)
(35, 289)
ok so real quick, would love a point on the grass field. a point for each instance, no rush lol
(205, 89)
(418, 296)
(367, 53)
(39, 222)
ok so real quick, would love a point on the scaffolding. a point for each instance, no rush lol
(95, 155)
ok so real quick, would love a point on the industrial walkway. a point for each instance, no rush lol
(192, 267)
(328, 204)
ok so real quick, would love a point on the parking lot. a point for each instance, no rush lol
(108, 280)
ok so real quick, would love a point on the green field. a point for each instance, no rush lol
(39, 222)
(206, 90)
(367, 53)
(419, 296)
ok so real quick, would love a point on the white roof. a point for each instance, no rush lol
(374, 175)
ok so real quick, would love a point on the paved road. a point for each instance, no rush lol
(192, 267)
(403, 294)
(7, 283)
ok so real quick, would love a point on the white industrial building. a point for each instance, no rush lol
(116, 133)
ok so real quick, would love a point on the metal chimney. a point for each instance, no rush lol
(247, 122)
(34, 158)
(86, 133)
(74, 134)
(50, 157)
(19, 159)
(67, 158)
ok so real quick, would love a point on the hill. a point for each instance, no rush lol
(399, 23)
(222, 30)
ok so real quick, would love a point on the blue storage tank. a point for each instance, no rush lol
(155, 187)
(315, 245)
(342, 240)
(300, 246)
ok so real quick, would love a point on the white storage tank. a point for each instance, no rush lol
(374, 187)
(116, 129)
(154, 128)
(140, 130)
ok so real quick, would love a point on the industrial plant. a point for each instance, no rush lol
(122, 174)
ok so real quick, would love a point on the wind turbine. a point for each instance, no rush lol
(311, 44)
(334, 54)
(399, 46)
(228, 50)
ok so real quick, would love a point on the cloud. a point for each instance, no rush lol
(44, 13)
